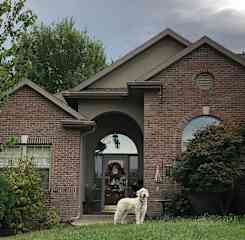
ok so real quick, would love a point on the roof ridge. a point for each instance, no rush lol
(204, 40)
(130, 55)
(49, 96)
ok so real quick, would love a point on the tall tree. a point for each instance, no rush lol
(15, 20)
(60, 55)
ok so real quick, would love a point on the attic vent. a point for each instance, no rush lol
(204, 81)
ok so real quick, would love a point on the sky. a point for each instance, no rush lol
(122, 25)
(127, 146)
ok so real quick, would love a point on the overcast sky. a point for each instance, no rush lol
(122, 25)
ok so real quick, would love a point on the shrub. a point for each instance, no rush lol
(212, 161)
(7, 201)
(24, 183)
(52, 218)
(179, 206)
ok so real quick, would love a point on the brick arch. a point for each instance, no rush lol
(187, 119)
(108, 123)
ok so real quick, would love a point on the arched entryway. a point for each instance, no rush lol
(113, 162)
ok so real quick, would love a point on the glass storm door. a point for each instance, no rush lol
(115, 179)
(116, 176)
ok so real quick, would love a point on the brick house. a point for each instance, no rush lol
(157, 95)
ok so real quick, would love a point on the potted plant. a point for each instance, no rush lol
(210, 168)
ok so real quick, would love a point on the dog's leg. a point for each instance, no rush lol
(117, 217)
(123, 217)
(137, 216)
(142, 216)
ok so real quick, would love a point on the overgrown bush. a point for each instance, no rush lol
(24, 182)
(212, 161)
(7, 201)
(27, 210)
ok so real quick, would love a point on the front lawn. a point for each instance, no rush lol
(208, 229)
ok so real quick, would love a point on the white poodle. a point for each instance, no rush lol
(137, 206)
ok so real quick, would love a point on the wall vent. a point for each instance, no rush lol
(204, 81)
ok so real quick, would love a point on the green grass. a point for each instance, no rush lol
(182, 229)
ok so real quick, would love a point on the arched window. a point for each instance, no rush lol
(194, 125)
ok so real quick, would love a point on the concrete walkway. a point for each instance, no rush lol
(98, 219)
(93, 219)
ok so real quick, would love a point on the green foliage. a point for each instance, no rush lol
(14, 22)
(11, 141)
(24, 182)
(212, 160)
(60, 55)
(179, 206)
(52, 218)
(7, 201)
(49, 218)
(22, 206)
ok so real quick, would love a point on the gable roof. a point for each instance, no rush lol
(51, 98)
(186, 51)
(132, 54)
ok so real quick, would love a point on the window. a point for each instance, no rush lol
(40, 154)
(133, 163)
(194, 125)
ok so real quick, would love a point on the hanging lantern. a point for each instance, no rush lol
(116, 141)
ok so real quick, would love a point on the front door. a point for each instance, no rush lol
(121, 178)
(115, 180)
(116, 176)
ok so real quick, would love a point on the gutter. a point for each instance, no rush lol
(96, 95)
(82, 124)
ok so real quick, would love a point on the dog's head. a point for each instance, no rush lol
(142, 193)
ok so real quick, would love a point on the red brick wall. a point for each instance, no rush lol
(167, 113)
(28, 113)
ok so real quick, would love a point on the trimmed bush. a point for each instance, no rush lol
(212, 161)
